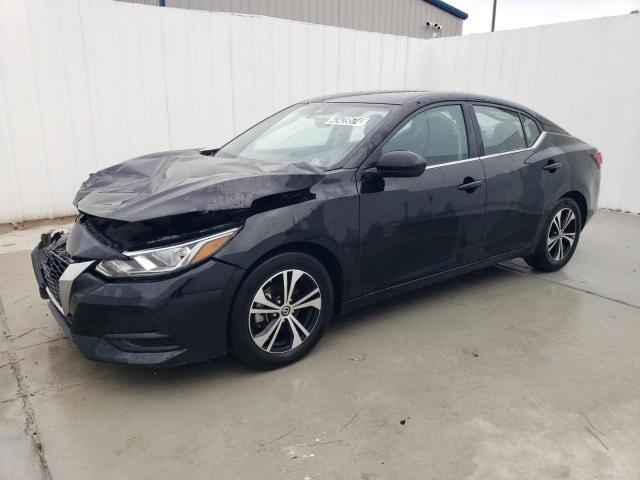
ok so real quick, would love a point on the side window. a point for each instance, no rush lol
(411, 137)
(531, 130)
(438, 134)
(501, 130)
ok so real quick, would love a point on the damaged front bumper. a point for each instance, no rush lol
(157, 322)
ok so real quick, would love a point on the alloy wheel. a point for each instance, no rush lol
(562, 234)
(284, 311)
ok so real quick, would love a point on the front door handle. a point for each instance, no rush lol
(552, 166)
(470, 185)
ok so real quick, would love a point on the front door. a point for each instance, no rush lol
(414, 227)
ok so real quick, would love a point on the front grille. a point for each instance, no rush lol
(57, 262)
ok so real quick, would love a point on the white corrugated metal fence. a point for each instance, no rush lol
(583, 75)
(88, 83)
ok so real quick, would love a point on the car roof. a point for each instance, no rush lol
(389, 97)
(404, 97)
(407, 97)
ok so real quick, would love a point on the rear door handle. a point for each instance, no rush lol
(552, 166)
(470, 185)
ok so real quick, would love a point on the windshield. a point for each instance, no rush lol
(320, 134)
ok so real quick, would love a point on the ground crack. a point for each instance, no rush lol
(572, 287)
(23, 393)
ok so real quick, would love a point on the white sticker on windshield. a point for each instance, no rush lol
(347, 121)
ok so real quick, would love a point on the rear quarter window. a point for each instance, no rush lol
(531, 130)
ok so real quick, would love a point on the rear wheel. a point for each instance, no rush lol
(281, 310)
(560, 237)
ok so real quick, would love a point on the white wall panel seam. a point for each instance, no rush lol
(13, 211)
(65, 94)
(88, 82)
(163, 53)
(40, 147)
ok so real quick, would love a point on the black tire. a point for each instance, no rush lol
(547, 260)
(245, 326)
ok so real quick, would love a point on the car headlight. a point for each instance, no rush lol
(161, 260)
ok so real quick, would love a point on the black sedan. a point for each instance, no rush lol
(324, 207)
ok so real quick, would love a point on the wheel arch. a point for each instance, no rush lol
(321, 253)
(580, 199)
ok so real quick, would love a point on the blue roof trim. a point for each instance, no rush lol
(448, 8)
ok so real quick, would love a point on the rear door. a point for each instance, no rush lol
(521, 176)
(414, 227)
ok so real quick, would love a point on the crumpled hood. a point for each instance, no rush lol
(184, 181)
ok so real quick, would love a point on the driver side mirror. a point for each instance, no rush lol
(401, 164)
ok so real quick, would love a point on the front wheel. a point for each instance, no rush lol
(559, 238)
(281, 310)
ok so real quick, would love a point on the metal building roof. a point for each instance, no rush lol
(448, 8)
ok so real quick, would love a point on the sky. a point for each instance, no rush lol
(527, 13)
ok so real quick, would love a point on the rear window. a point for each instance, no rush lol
(500, 129)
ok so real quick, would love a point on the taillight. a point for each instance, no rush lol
(598, 158)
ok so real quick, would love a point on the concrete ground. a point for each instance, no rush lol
(501, 374)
